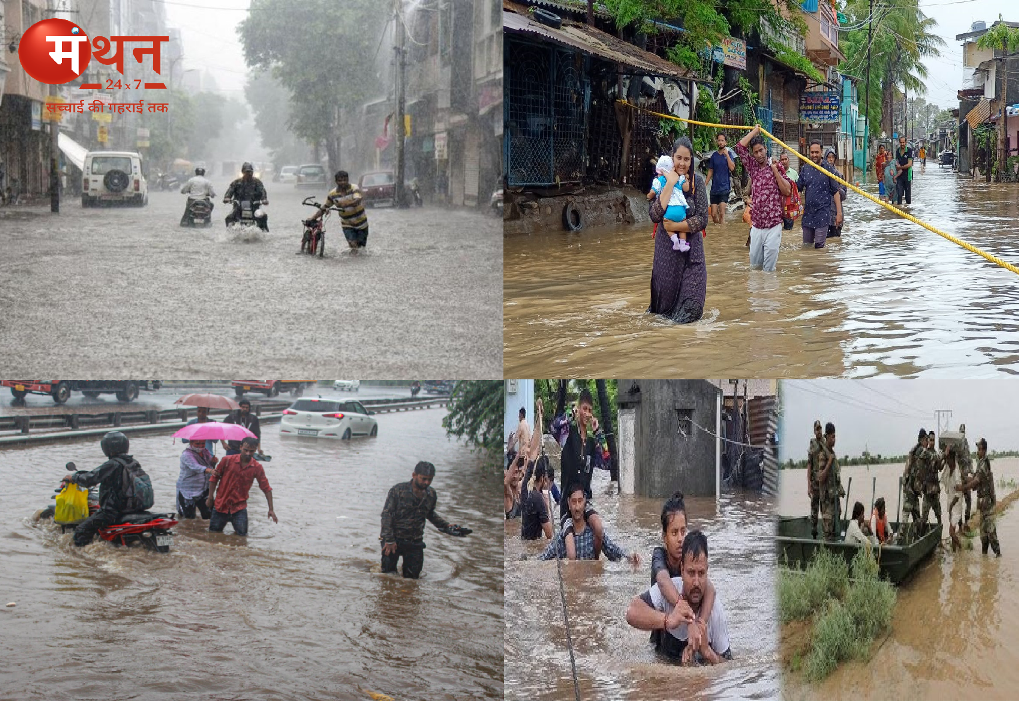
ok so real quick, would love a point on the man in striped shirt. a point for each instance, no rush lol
(347, 199)
(576, 541)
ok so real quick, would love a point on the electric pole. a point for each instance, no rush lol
(866, 99)
(401, 64)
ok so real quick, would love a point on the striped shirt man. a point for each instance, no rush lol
(350, 203)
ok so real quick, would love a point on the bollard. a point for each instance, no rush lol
(258, 410)
(182, 414)
(22, 423)
(153, 416)
(116, 419)
(74, 422)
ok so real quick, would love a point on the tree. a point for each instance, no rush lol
(475, 414)
(322, 52)
(270, 103)
(1003, 39)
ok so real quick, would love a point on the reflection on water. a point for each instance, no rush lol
(297, 610)
(954, 623)
(890, 298)
(615, 661)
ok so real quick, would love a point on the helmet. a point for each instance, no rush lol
(247, 168)
(114, 443)
(199, 171)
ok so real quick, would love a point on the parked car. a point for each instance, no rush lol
(113, 176)
(324, 418)
(287, 175)
(311, 176)
(347, 385)
(378, 188)
(438, 386)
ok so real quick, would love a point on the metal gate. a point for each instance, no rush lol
(546, 105)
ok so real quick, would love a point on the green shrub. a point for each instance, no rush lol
(834, 641)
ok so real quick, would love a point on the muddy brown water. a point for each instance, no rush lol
(953, 628)
(297, 610)
(890, 298)
(615, 661)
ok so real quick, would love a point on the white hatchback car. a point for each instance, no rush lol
(347, 385)
(325, 418)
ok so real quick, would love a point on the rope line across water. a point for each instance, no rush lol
(803, 159)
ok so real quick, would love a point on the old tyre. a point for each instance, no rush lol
(573, 218)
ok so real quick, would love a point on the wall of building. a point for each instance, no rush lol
(669, 452)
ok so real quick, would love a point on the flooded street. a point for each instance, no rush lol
(615, 661)
(297, 610)
(954, 622)
(116, 291)
(890, 298)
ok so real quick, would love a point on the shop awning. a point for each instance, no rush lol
(591, 41)
(979, 114)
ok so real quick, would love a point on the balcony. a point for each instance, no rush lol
(773, 39)
(822, 40)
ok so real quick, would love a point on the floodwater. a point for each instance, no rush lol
(953, 629)
(126, 291)
(890, 298)
(615, 661)
(297, 610)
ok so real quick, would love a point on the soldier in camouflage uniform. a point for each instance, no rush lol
(912, 485)
(403, 522)
(965, 468)
(983, 482)
(830, 482)
(815, 454)
(931, 483)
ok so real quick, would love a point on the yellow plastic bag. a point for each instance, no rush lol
(72, 504)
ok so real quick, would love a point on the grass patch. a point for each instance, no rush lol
(847, 613)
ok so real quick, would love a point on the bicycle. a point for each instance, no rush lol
(314, 230)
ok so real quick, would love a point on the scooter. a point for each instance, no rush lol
(199, 212)
(141, 528)
(166, 181)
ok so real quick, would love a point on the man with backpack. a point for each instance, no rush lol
(124, 487)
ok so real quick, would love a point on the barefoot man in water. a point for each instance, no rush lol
(403, 522)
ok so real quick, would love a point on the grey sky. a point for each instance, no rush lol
(210, 39)
(885, 415)
(955, 17)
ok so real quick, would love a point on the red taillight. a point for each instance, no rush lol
(288, 412)
(136, 186)
(332, 416)
(84, 184)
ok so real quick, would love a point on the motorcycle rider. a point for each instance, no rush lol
(246, 188)
(119, 491)
(347, 199)
(197, 188)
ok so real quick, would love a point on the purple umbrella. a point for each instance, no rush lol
(214, 430)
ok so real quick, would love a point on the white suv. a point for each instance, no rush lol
(347, 385)
(113, 176)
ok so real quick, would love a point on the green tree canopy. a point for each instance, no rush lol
(475, 414)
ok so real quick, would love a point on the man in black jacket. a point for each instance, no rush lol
(247, 188)
(118, 493)
(243, 417)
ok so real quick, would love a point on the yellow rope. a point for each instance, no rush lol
(969, 247)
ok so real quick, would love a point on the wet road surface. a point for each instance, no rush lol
(890, 298)
(615, 661)
(122, 291)
(297, 610)
(953, 628)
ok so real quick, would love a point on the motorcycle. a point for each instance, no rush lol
(246, 212)
(415, 192)
(415, 389)
(166, 181)
(143, 528)
(495, 204)
(199, 212)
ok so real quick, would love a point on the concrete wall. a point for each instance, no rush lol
(626, 448)
(669, 452)
(522, 396)
(599, 207)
